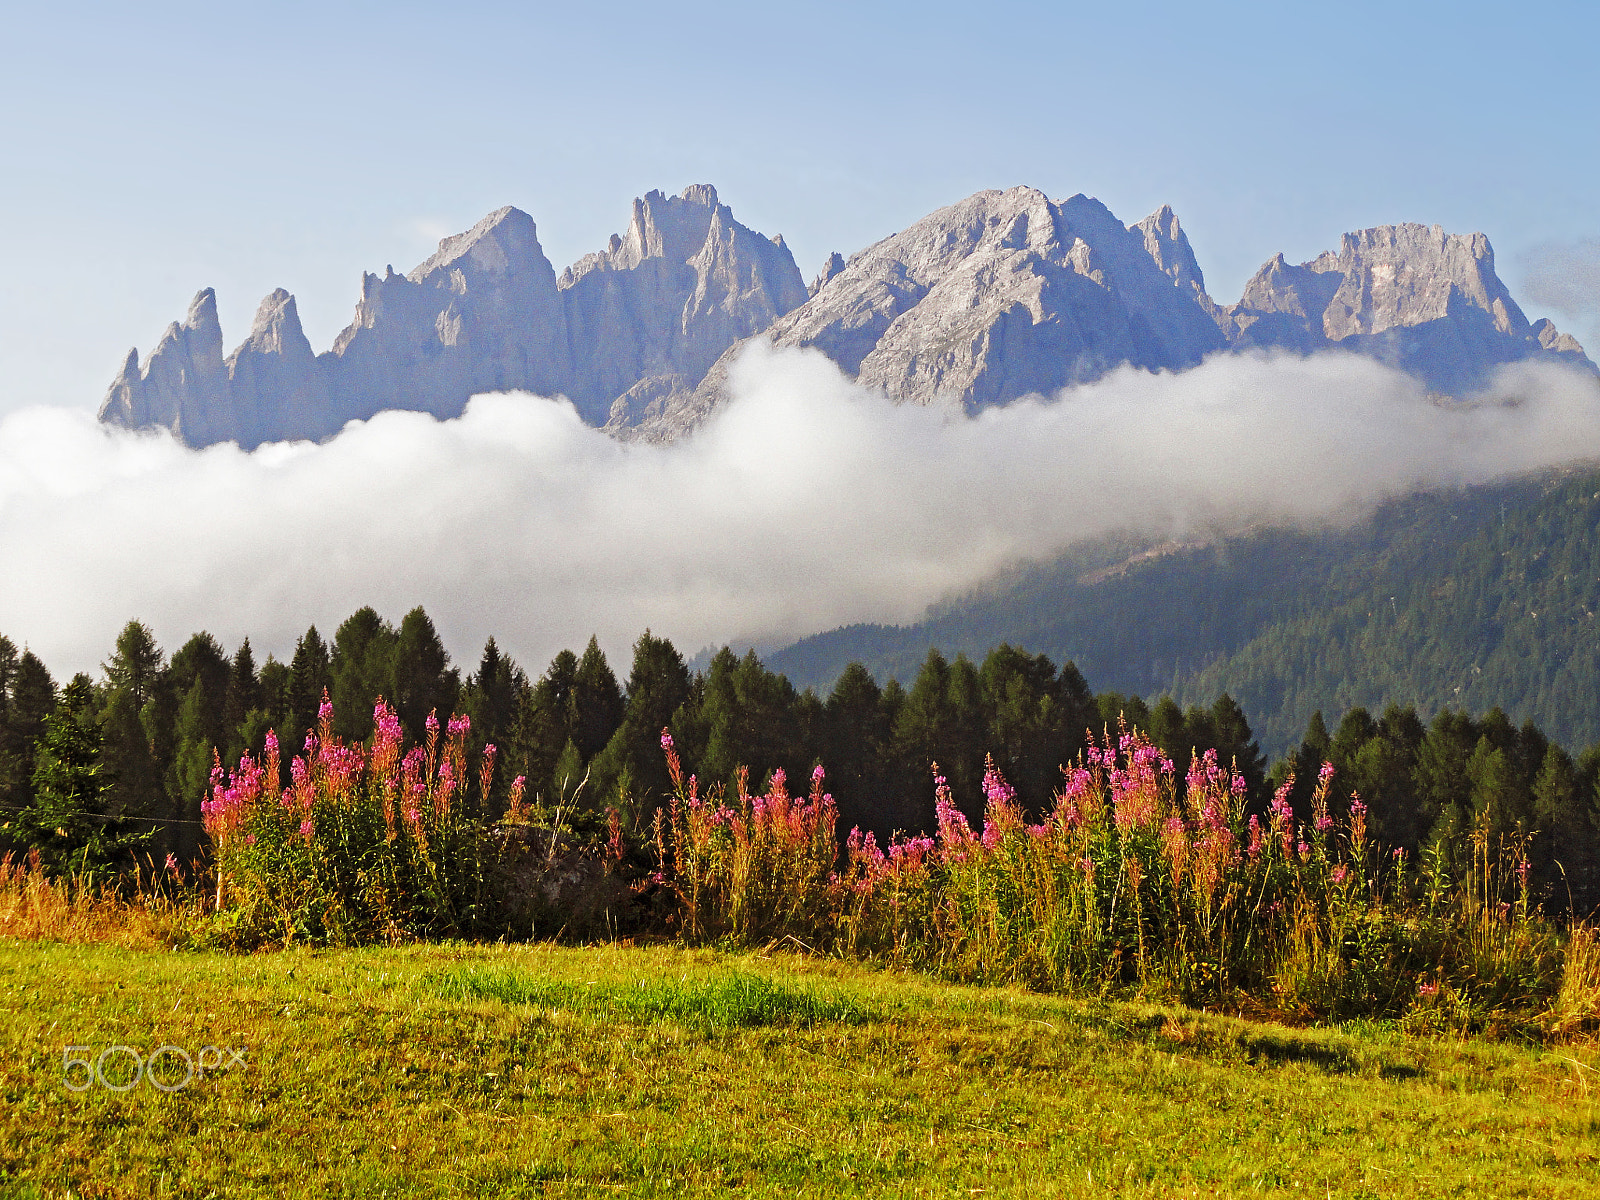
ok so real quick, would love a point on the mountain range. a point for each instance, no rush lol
(1001, 295)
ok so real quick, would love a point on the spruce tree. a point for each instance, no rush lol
(658, 685)
(1565, 847)
(32, 698)
(72, 821)
(137, 715)
(361, 667)
(596, 703)
(307, 679)
(242, 704)
(423, 681)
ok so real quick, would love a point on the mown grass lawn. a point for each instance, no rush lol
(540, 1070)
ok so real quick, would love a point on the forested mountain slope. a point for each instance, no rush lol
(1468, 599)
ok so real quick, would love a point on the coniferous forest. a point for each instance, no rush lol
(1468, 599)
(98, 773)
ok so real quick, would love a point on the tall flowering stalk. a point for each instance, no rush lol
(366, 841)
(757, 867)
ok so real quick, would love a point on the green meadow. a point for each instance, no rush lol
(612, 1070)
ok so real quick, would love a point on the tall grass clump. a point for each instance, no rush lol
(36, 906)
(365, 843)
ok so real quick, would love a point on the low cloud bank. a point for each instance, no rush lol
(806, 503)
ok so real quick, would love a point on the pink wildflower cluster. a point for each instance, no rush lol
(332, 775)
(1139, 775)
(234, 799)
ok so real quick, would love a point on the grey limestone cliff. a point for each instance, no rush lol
(1009, 293)
(1427, 301)
(615, 332)
(180, 381)
(1004, 294)
(650, 314)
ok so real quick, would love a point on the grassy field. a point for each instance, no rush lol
(539, 1070)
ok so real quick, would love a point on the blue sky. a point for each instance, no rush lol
(151, 151)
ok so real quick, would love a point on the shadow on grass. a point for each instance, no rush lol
(733, 1000)
(1266, 1047)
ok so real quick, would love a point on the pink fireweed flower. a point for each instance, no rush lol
(307, 828)
(817, 795)
(460, 725)
(1140, 789)
(1175, 844)
(514, 808)
(325, 709)
(955, 833)
(995, 789)
(1258, 837)
(675, 768)
(445, 789)
(1281, 815)
(1340, 874)
(172, 862)
(386, 721)
(432, 723)
(1001, 812)
(486, 771)
(1358, 820)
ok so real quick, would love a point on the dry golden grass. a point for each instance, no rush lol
(1576, 1008)
(34, 908)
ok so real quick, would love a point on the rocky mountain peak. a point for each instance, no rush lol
(276, 328)
(202, 316)
(1414, 295)
(484, 313)
(1004, 293)
(503, 241)
(832, 267)
(1168, 247)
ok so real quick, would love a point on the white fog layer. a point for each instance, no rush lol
(805, 503)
